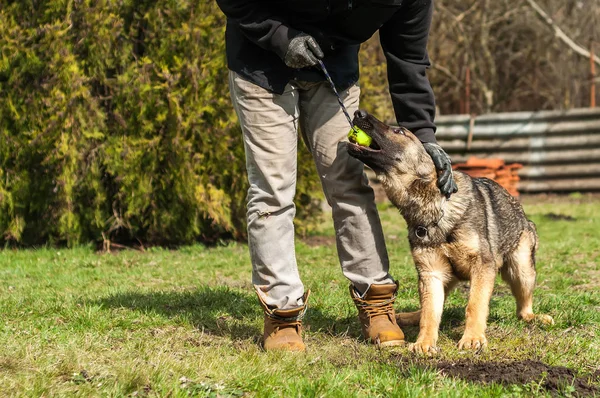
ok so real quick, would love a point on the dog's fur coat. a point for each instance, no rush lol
(479, 231)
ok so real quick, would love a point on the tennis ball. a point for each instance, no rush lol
(359, 137)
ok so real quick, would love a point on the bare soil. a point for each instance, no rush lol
(556, 380)
(314, 241)
(559, 217)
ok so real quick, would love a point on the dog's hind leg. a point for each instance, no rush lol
(414, 318)
(519, 272)
(408, 318)
(449, 286)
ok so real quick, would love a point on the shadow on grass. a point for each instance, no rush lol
(222, 311)
(318, 321)
(235, 313)
(218, 310)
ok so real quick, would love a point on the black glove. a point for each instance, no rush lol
(443, 165)
(303, 51)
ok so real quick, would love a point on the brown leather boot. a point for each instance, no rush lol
(283, 328)
(377, 316)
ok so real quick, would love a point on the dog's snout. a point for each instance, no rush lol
(360, 114)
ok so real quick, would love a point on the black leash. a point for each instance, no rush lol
(337, 95)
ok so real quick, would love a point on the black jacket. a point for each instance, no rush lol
(258, 32)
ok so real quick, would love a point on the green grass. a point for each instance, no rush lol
(179, 323)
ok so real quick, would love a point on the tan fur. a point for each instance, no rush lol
(522, 280)
(439, 269)
(409, 180)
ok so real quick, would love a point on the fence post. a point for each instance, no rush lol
(468, 91)
(592, 76)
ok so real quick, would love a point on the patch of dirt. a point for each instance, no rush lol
(314, 241)
(592, 280)
(588, 286)
(589, 197)
(553, 379)
(559, 217)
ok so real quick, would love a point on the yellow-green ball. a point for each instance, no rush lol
(359, 137)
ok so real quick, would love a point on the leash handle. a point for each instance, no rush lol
(339, 99)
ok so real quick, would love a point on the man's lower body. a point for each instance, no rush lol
(270, 124)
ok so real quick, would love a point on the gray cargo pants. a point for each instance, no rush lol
(270, 127)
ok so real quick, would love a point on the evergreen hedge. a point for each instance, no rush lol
(116, 125)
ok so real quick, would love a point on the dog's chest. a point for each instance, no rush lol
(465, 256)
(460, 258)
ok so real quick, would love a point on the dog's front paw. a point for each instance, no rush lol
(473, 341)
(424, 346)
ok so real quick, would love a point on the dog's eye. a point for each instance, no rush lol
(399, 131)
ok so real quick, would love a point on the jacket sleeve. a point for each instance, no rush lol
(404, 42)
(258, 24)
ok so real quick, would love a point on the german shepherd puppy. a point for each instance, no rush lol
(479, 231)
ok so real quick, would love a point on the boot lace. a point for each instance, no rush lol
(384, 307)
(280, 324)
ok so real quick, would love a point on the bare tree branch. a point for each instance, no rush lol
(458, 18)
(484, 38)
(560, 33)
(446, 72)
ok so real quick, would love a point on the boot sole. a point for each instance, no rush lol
(393, 343)
(283, 350)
